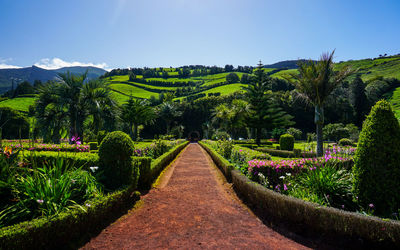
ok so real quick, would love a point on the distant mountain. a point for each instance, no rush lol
(33, 73)
(289, 64)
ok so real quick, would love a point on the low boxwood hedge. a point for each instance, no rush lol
(71, 228)
(310, 216)
(286, 154)
(86, 160)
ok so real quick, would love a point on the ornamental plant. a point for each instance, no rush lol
(377, 161)
(286, 142)
(115, 161)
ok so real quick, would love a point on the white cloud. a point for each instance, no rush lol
(4, 64)
(57, 63)
(7, 66)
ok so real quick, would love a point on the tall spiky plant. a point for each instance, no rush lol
(314, 83)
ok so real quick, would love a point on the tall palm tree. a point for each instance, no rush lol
(77, 100)
(96, 98)
(137, 112)
(314, 83)
(168, 111)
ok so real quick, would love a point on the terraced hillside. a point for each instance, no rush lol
(215, 84)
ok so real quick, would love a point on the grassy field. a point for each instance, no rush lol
(394, 99)
(19, 103)
(132, 90)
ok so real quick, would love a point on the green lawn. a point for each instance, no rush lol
(132, 90)
(395, 101)
(19, 103)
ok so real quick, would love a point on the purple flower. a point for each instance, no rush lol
(371, 205)
(39, 201)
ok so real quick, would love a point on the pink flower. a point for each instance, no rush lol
(39, 201)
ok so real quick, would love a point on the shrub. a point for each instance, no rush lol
(100, 136)
(345, 142)
(377, 160)
(295, 132)
(286, 142)
(158, 148)
(335, 132)
(115, 161)
(225, 148)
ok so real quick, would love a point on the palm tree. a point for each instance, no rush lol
(136, 112)
(77, 100)
(96, 98)
(168, 111)
(314, 83)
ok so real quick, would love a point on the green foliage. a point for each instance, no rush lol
(13, 124)
(49, 190)
(286, 142)
(8, 171)
(277, 132)
(115, 162)
(325, 185)
(225, 148)
(220, 135)
(377, 161)
(295, 132)
(335, 132)
(345, 142)
(158, 148)
(232, 78)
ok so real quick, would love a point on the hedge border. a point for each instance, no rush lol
(311, 216)
(68, 229)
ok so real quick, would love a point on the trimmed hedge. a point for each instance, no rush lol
(287, 154)
(286, 142)
(309, 216)
(71, 228)
(86, 160)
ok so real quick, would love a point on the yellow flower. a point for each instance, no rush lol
(8, 150)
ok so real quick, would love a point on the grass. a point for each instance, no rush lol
(394, 99)
(133, 91)
(19, 103)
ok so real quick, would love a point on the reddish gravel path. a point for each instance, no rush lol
(193, 209)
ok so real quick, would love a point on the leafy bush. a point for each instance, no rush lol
(115, 161)
(325, 185)
(377, 160)
(345, 142)
(277, 132)
(286, 142)
(295, 132)
(8, 170)
(158, 148)
(225, 148)
(220, 135)
(335, 132)
(49, 190)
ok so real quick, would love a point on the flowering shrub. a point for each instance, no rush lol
(273, 170)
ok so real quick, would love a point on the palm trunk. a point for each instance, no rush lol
(135, 132)
(319, 121)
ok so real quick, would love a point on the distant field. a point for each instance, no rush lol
(395, 101)
(226, 89)
(132, 91)
(214, 79)
(19, 103)
(281, 73)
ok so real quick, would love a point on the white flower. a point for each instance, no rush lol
(94, 168)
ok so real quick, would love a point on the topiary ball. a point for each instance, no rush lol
(286, 142)
(377, 161)
(115, 161)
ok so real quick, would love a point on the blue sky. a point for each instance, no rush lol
(137, 33)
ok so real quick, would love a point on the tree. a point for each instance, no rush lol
(245, 78)
(314, 83)
(24, 88)
(263, 111)
(77, 101)
(232, 78)
(168, 111)
(359, 100)
(132, 77)
(228, 68)
(13, 124)
(137, 112)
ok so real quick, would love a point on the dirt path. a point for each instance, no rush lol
(192, 210)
